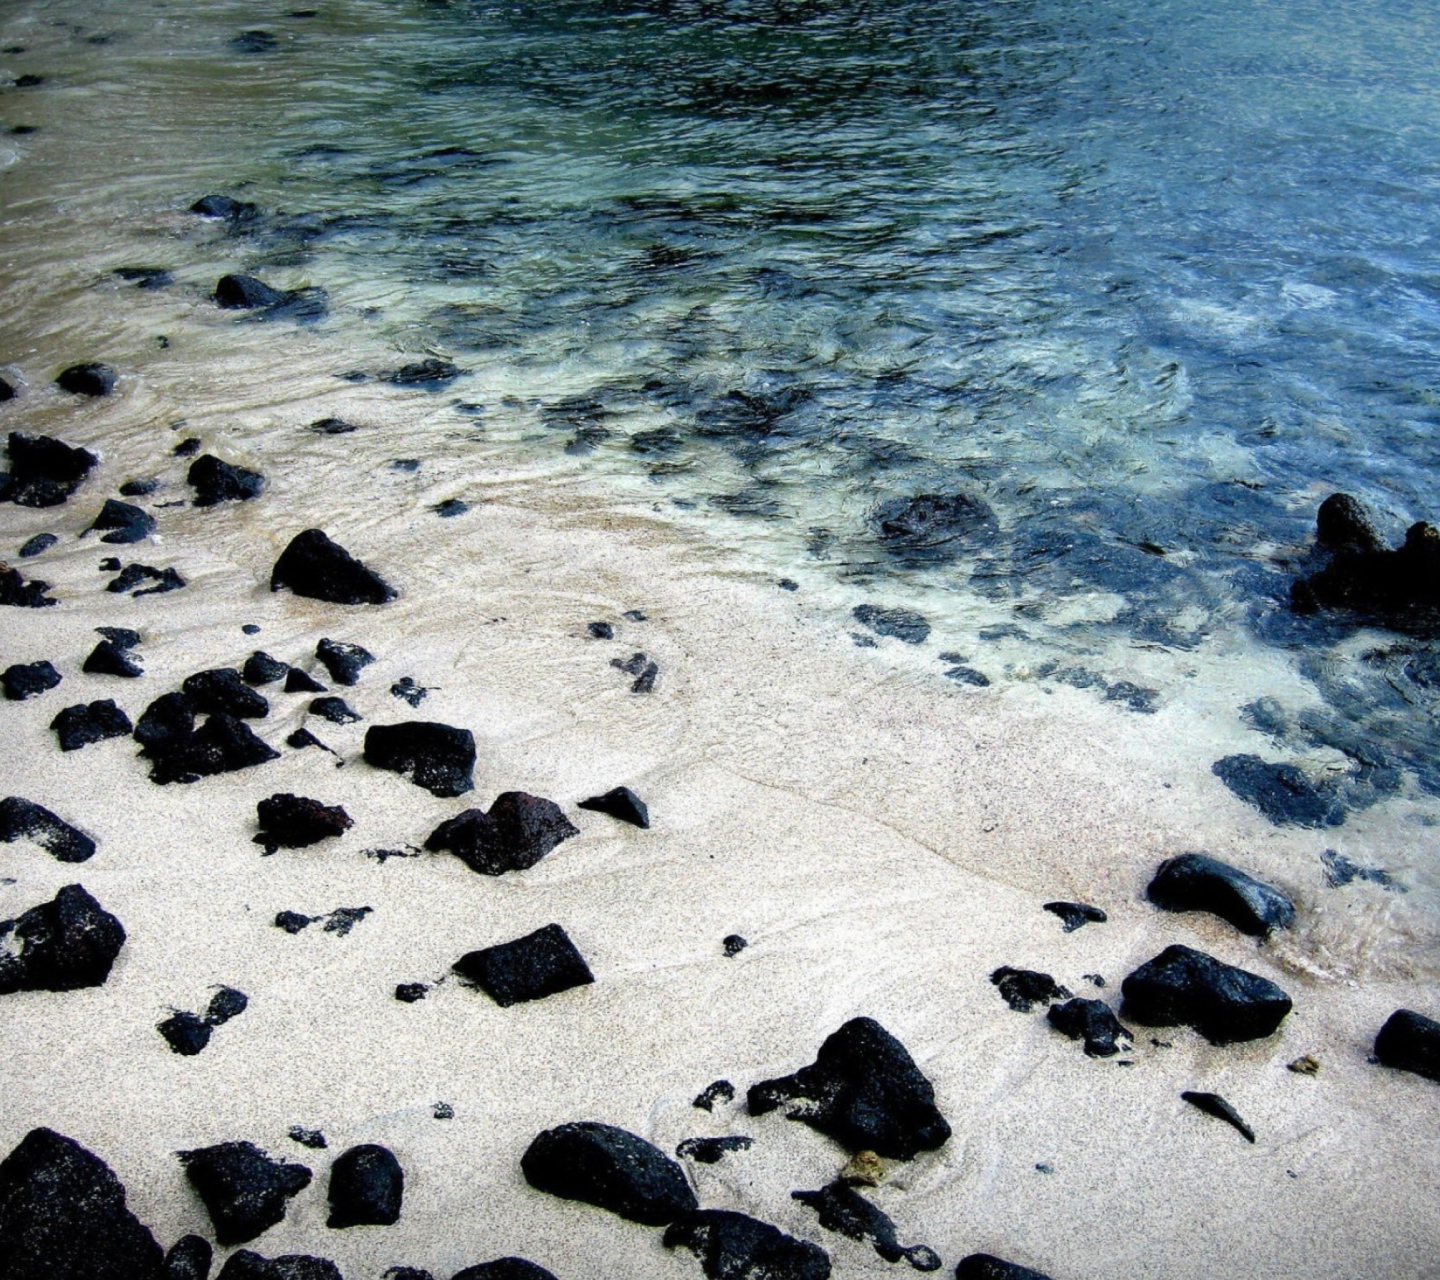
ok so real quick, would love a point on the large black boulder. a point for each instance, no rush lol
(841, 1208)
(1091, 1021)
(222, 744)
(540, 964)
(1182, 986)
(43, 471)
(733, 1246)
(503, 1269)
(84, 723)
(438, 757)
(61, 945)
(189, 1258)
(864, 1090)
(243, 1189)
(122, 522)
(610, 1168)
(63, 1217)
(1196, 882)
(312, 565)
(87, 379)
(216, 481)
(295, 822)
(519, 830)
(367, 1186)
(28, 679)
(985, 1266)
(1410, 1041)
(343, 661)
(934, 526)
(24, 818)
(223, 692)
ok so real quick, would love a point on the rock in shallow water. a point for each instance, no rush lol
(43, 472)
(610, 1168)
(215, 481)
(903, 624)
(87, 379)
(1284, 793)
(65, 944)
(846, 1211)
(519, 830)
(733, 1246)
(540, 964)
(1409, 1041)
(1195, 882)
(20, 818)
(1182, 986)
(438, 757)
(930, 526)
(314, 566)
(367, 1186)
(243, 1189)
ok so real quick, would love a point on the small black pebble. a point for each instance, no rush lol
(600, 630)
(250, 629)
(187, 448)
(635, 615)
(450, 507)
(225, 1004)
(719, 1091)
(311, 1138)
(293, 921)
(1094, 978)
(138, 488)
(332, 427)
(1075, 915)
(410, 992)
(185, 1033)
(734, 944)
(111, 564)
(444, 1111)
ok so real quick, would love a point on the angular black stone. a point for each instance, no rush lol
(63, 1216)
(934, 526)
(122, 522)
(190, 1258)
(519, 830)
(216, 481)
(216, 206)
(61, 945)
(223, 692)
(367, 1186)
(311, 1138)
(246, 293)
(332, 427)
(222, 744)
(438, 757)
(410, 992)
(43, 472)
(314, 566)
(343, 661)
(1212, 1104)
(540, 964)
(732, 1245)
(1224, 1004)
(904, 624)
(87, 379)
(609, 1168)
(1410, 1041)
(35, 546)
(718, 1091)
(733, 944)
(293, 922)
(185, 1033)
(450, 508)
(108, 659)
(136, 575)
(621, 803)
(245, 1264)
(295, 822)
(166, 722)
(1092, 1021)
(711, 1150)
(187, 448)
(503, 1269)
(1023, 989)
(985, 1266)
(335, 710)
(430, 374)
(1284, 793)
(406, 689)
(14, 590)
(1195, 882)
(864, 1090)
(1075, 915)
(600, 630)
(20, 818)
(845, 1210)
(298, 681)
(243, 1189)
(7, 391)
(225, 1004)
(28, 679)
(261, 668)
(302, 738)
(84, 723)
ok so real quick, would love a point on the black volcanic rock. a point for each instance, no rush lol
(519, 830)
(903, 624)
(189, 1258)
(930, 526)
(845, 1210)
(1284, 793)
(540, 964)
(438, 757)
(431, 374)
(222, 744)
(216, 481)
(61, 945)
(1344, 524)
(223, 692)
(1023, 989)
(1195, 882)
(122, 523)
(335, 710)
(343, 661)
(43, 471)
(712, 1150)
(245, 1264)
(1409, 1041)
(63, 1216)
(314, 566)
(166, 722)
(109, 659)
(1092, 1021)
(367, 1186)
(1224, 1004)
(242, 1188)
(21, 818)
(246, 293)
(733, 1246)
(610, 1168)
(295, 822)
(864, 1090)
(217, 206)
(1212, 1104)
(225, 1004)
(28, 680)
(37, 545)
(298, 681)
(136, 575)
(717, 1091)
(985, 1266)
(501, 1269)
(1075, 915)
(84, 723)
(14, 590)
(87, 379)
(261, 668)
(621, 803)
(186, 1033)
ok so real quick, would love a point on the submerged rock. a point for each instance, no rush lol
(65, 944)
(87, 379)
(122, 523)
(367, 1186)
(28, 680)
(1195, 882)
(903, 624)
(222, 744)
(296, 822)
(63, 1216)
(243, 1189)
(43, 472)
(846, 1211)
(540, 964)
(314, 566)
(246, 293)
(1212, 1104)
(227, 207)
(933, 526)
(430, 375)
(1092, 1021)
(438, 757)
(734, 1246)
(519, 830)
(864, 1090)
(609, 1168)
(985, 1266)
(216, 481)
(1075, 915)
(223, 692)
(710, 1150)
(84, 723)
(621, 803)
(1224, 1004)
(1409, 1041)
(20, 818)
(1023, 989)
(1284, 793)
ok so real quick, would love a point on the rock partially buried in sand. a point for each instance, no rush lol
(314, 566)
(985, 1266)
(335, 710)
(1182, 986)
(87, 380)
(14, 590)
(65, 944)
(1195, 882)
(122, 523)
(1075, 915)
(501, 1269)
(1092, 1021)
(63, 1216)
(864, 1090)
(298, 681)
(712, 1150)
(247, 1265)
(43, 471)
(1409, 1041)
(186, 1033)
(190, 1258)
(343, 661)
(367, 1186)
(1212, 1104)
(609, 1168)
(84, 723)
(243, 1189)
(718, 1091)
(519, 830)
(216, 481)
(732, 1245)
(295, 822)
(1023, 989)
(621, 803)
(846, 1211)
(222, 744)
(38, 545)
(438, 757)
(540, 964)
(24, 819)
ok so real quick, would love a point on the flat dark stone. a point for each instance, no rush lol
(503, 1269)
(222, 744)
(519, 830)
(243, 1189)
(438, 757)
(63, 1216)
(296, 822)
(1023, 989)
(864, 1090)
(108, 659)
(145, 277)
(968, 676)
(844, 1210)
(1091, 1021)
(261, 668)
(222, 691)
(933, 526)
(599, 630)
(343, 661)
(293, 922)
(87, 379)
(1195, 882)
(610, 1168)
(903, 624)
(430, 374)
(1212, 1104)
(122, 523)
(718, 1091)
(134, 576)
(450, 508)
(65, 944)
(731, 1246)
(187, 448)
(985, 1266)
(28, 680)
(621, 803)
(43, 472)
(1075, 915)
(1182, 986)
(139, 488)
(186, 1033)
(1410, 1041)
(332, 427)
(712, 1150)
(216, 481)
(190, 1258)
(540, 964)
(367, 1186)
(24, 819)
(298, 681)
(33, 547)
(335, 710)
(314, 566)
(14, 590)
(1284, 793)
(84, 723)
(246, 293)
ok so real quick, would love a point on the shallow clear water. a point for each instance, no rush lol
(1150, 280)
